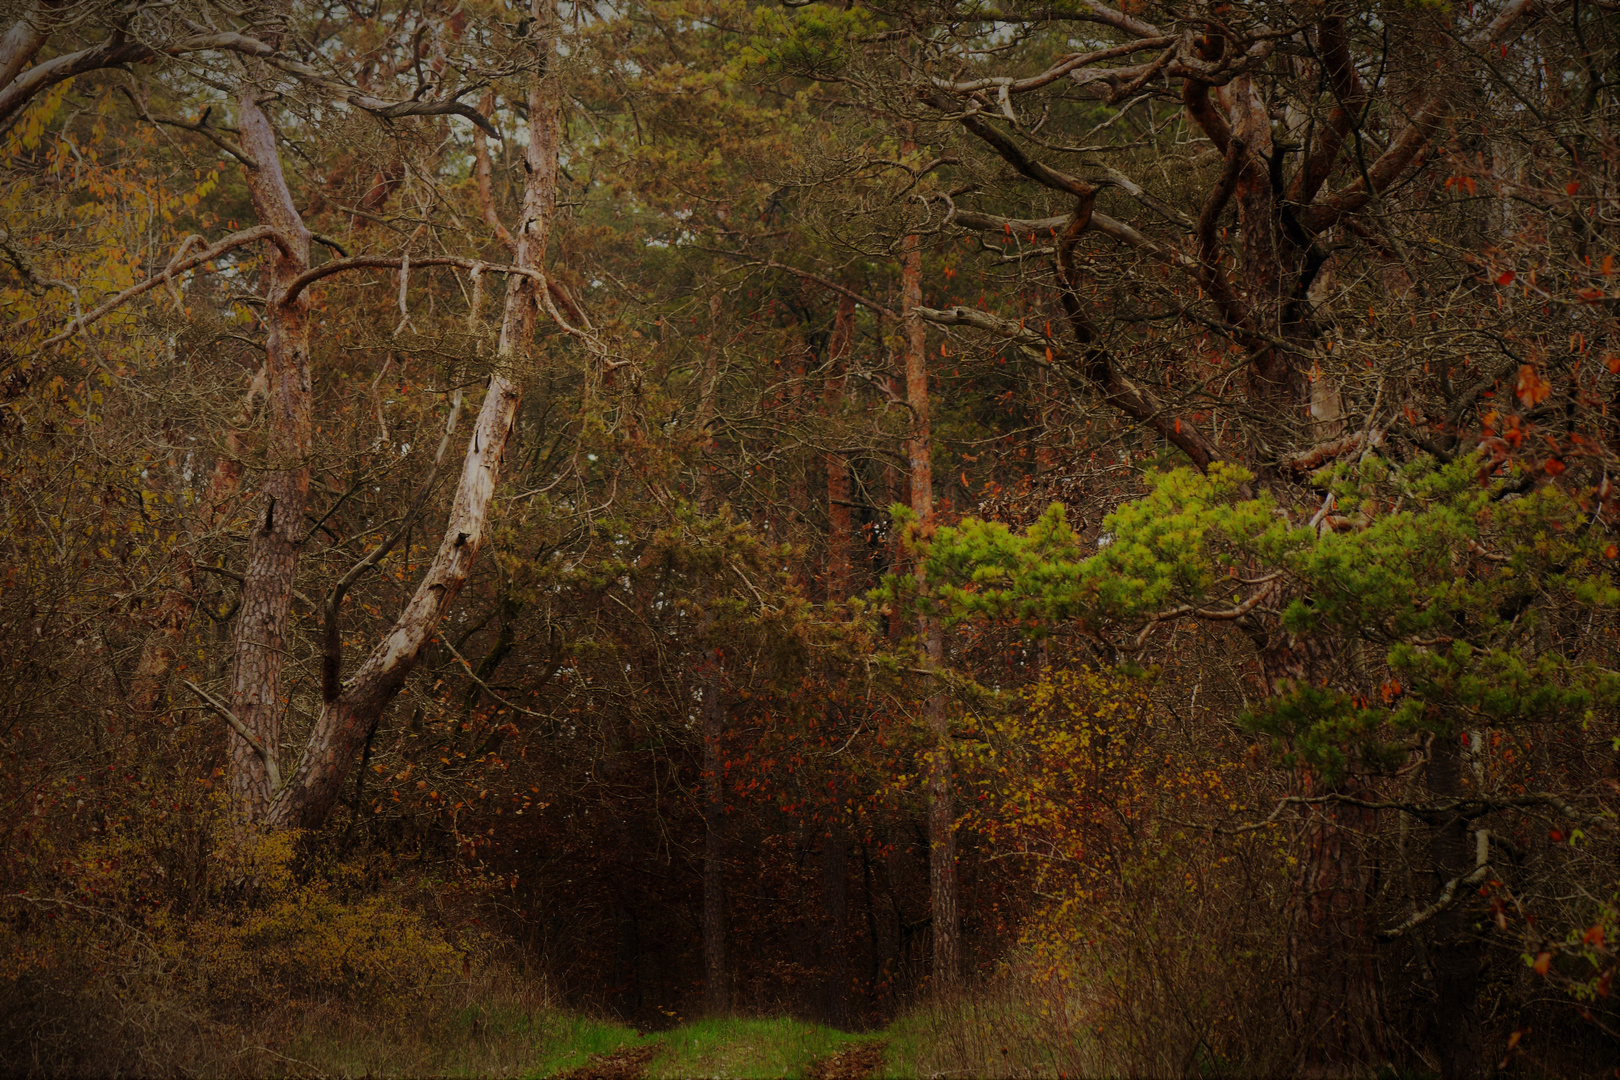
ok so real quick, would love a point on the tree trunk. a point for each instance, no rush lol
(260, 645)
(941, 813)
(1331, 998)
(1455, 951)
(309, 795)
(835, 912)
(716, 992)
(179, 602)
(840, 513)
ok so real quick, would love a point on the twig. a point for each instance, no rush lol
(484, 686)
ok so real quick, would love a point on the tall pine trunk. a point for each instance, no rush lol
(1455, 951)
(260, 646)
(839, 579)
(716, 991)
(941, 812)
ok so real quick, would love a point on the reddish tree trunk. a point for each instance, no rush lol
(840, 537)
(260, 645)
(717, 996)
(941, 812)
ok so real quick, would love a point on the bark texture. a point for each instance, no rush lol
(717, 998)
(260, 645)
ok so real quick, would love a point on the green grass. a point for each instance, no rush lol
(567, 1041)
(746, 1049)
(735, 1049)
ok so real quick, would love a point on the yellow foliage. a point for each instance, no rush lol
(1052, 780)
(247, 927)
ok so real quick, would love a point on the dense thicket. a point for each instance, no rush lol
(1098, 518)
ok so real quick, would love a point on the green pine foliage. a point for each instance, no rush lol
(1459, 586)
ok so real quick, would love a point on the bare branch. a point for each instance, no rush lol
(391, 262)
(178, 266)
(484, 686)
(1450, 894)
(1063, 67)
(869, 304)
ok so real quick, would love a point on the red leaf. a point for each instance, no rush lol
(1533, 389)
(1505, 278)
(1591, 296)
(1553, 466)
(1543, 963)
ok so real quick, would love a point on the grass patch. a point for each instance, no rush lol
(568, 1041)
(746, 1049)
(985, 1036)
(736, 1049)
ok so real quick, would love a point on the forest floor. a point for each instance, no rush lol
(506, 1033)
(740, 1048)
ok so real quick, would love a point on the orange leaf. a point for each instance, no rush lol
(1608, 265)
(1543, 963)
(1612, 362)
(1611, 551)
(1591, 296)
(1553, 466)
(1594, 936)
(1533, 389)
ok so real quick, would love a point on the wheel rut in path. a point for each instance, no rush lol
(855, 1063)
(627, 1064)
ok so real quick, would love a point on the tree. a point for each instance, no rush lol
(268, 44)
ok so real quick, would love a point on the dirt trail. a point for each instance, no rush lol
(627, 1064)
(856, 1063)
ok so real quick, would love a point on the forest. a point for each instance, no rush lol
(981, 538)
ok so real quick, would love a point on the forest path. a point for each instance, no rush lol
(855, 1063)
(757, 1048)
(629, 1063)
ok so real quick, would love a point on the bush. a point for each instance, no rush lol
(192, 943)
